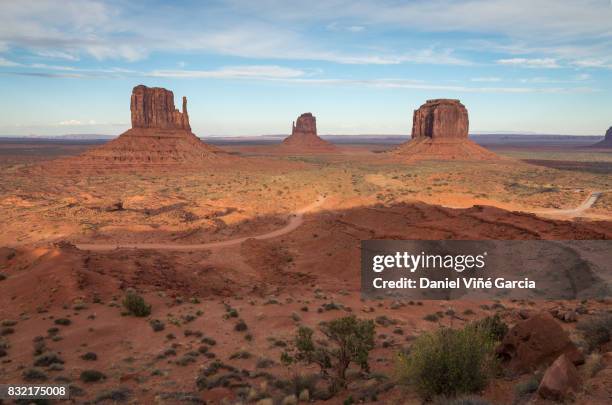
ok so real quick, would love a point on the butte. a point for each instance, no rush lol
(607, 141)
(440, 132)
(160, 136)
(304, 138)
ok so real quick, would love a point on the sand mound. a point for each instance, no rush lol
(443, 149)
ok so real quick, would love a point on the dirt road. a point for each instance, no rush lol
(295, 220)
(575, 212)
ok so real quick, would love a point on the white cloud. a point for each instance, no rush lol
(7, 63)
(76, 123)
(486, 79)
(233, 72)
(542, 63)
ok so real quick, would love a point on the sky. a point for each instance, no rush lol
(362, 66)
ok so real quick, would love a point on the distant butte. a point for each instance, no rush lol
(440, 132)
(304, 137)
(160, 135)
(607, 141)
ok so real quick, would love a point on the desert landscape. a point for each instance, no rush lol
(159, 268)
(339, 202)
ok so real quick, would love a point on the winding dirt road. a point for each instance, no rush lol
(579, 210)
(295, 220)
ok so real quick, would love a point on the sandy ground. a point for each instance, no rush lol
(260, 241)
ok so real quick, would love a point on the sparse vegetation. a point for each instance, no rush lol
(63, 321)
(596, 330)
(157, 325)
(348, 340)
(136, 305)
(449, 362)
(91, 376)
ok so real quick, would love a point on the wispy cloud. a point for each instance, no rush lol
(232, 72)
(542, 63)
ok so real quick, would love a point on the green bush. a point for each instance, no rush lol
(92, 376)
(449, 362)
(348, 340)
(596, 330)
(493, 326)
(136, 305)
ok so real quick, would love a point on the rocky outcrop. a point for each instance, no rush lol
(536, 341)
(160, 135)
(304, 137)
(607, 141)
(440, 132)
(559, 379)
(440, 119)
(153, 107)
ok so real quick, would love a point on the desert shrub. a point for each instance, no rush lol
(596, 330)
(264, 363)
(6, 331)
(9, 322)
(243, 354)
(241, 326)
(89, 356)
(136, 305)
(431, 317)
(448, 362)
(348, 340)
(120, 394)
(48, 358)
(91, 376)
(34, 374)
(157, 325)
(493, 326)
(63, 321)
(2, 277)
(527, 387)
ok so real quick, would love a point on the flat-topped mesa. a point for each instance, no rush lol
(440, 132)
(441, 118)
(153, 107)
(305, 124)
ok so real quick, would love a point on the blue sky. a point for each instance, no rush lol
(362, 67)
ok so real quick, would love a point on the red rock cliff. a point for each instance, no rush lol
(153, 107)
(440, 118)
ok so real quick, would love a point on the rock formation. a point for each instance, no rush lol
(440, 132)
(153, 107)
(559, 380)
(536, 341)
(304, 137)
(607, 141)
(160, 135)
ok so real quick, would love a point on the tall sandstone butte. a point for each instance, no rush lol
(304, 136)
(440, 132)
(153, 107)
(441, 118)
(160, 135)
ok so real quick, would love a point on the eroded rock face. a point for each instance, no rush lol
(440, 118)
(153, 107)
(559, 379)
(535, 341)
(609, 135)
(305, 124)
